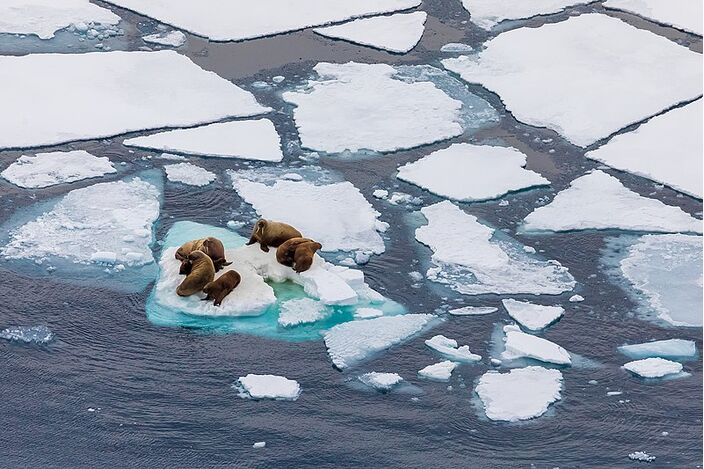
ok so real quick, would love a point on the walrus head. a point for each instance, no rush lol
(260, 226)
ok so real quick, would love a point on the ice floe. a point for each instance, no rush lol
(189, 174)
(669, 349)
(259, 444)
(28, 334)
(598, 201)
(268, 387)
(396, 33)
(648, 150)
(682, 14)
(546, 77)
(520, 394)
(518, 344)
(438, 371)
(451, 350)
(468, 172)
(488, 13)
(456, 47)
(472, 311)
(381, 381)
(247, 139)
(48, 169)
(367, 313)
(641, 456)
(109, 93)
(474, 259)
(302, 311)
(655, 367)
(576, 299)
(532, 316)
(169, 39)
(351, 342)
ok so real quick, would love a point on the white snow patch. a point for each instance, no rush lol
(473, 311)
(641, 456)
(381, 381)
(682, 14)
(169, 39)
(450, 349)
(48, 169)
(521, 345)
(532, 316)
(268, 387)
(188, 173)
(488, 13)
(301, 311)
(439, 371)
(655, 367)
(670, 348)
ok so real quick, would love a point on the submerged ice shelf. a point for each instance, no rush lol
(669, 349)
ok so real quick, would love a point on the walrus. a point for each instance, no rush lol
(221, 287)
(297, 253)
(272, 233)
(213, 247)
(202, 272)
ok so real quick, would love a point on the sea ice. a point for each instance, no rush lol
(268, 387)
(101, 94)
(532, 316)
(472, 311)
(488, 13)
(28, 334)
(48, 169)
(169, 39)
(189, 174)
(520, 394)
(670, 348)
(368, 313)
(474, 259)
(259, 444)
(521, 345)
(301, 311)
(468, 172)
(653, 367)
(456, 47)
(396, 33)
(576, 299)
(641, 456)
(682, 14)
(247, 139)
(648, 150)
(546, 76)
(381, 381)
(438, 371)
(598, 201)
(449, 348)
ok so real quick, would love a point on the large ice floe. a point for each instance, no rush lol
(488, 13)
(450, 349)
(682, 14)
(102, 94)
(236, 20)
(648, 151)
(189, 174)
(468, 172)
(532, 316)
(598, 201)
(48, 169)
(44, 17)
(473, 258)
(396, 33)
(271, 300)
(520, 394)
(654, 367)
(518, 344)
(267, 387)
(546, 76)
(247, 139)
(669, 349)
(441, 371)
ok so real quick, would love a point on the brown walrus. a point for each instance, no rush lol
(272, 233)
(221, 287)
(202, 272)
(213, 247)
(297, 253)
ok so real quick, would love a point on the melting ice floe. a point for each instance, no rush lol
(518, 344)
(169, 39)
(456, 47)
(28, 334)
(438, 371)
(472, 311)
(474, 259)
(654, 367)
(302, 311)
(488, 13)
(396, 33)
(520, 394)
(670, 349)
(267, 387)
(683, 14)
(247, 139)
(564, 84)
(48, 169)
(189, 174)
(532, 316)
(44, 17)
(641, 456)
(132, 90)
(468, 172)
(648, 150)
(598, 201)
(381, 381)
(450, 349)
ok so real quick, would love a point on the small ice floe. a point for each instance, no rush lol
(576, 298)
(59, 167)
(545, 61)
(521, 345)
(278, 79)
(168, 156)
(520, 394)
(395, 33)
(472, 311)
(532, 316)
(614, 393)
(381, 381)
(468, 172)
(189, 174)
(438, 371)
(267, 387)
(488, 13)
(450, 349)
(166, 38)
(670, 349)
(495, 362)
(244, 139)
(456, 47)
(416, 276)
(654, 367)
(302, 311)
(598, 201)
(259, 444)
(380, 193)
(351, 342)
(28, 334)
(685, 15)
(367, 313)
(401, 198)
(641, 456)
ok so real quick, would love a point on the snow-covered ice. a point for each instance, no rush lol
(189, 174)
(28, 334)
(450, 349)
(598, 201)
(488, 13)
(109, 93)
(472, 310)
(666, 149)
(169, 39)
(682, 14)
(396, 33)
(576, 299)
(468, 172)
(532, 316)
(367, 313)
(518, 344)
(381, 381)
(546, 76)
(247, 139)
(48, 169)
(520, 394)
(654, 367)
(259, 444)
(302, 311)
(456, 47)
(669, 349)
(641, 456)
(438, 371)
(268, 387)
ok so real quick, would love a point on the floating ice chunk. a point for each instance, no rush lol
(576, 298)
(643, 151)
(449, 348)
(598, 201)
(453, 47)
(268, 387)
(396, 33)
(189, 174)
(235, 20)
(472, 311)
(563, 84)
(104, 257)
(29, 334)
(133, 90)
(438, 371)
(48, 169)
(488, 13)
(398, 198)
(521, 345)
(614, 393)
(473, 259)
(380, 193)
(352, 342)
(301, 311)
(44, 17)
(367, 313)
(248, 139)
(468, 172)
(170, 38)
(683, 14)
(671, 348)
(259, 444)
(532, 316)
(278, 79)
(641, 456)
(520, 394)
(653, 367)
(381, 381)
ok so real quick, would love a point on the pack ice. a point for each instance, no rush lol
(653, 367)
(268, 387)
(468, 172)
(669, 349)
(474, 259)
(189, 174)
(48, 169)
(598, 201)
(450, 349)
(101, 94)
(532, 316)
(518, 344)
(682, 14)
(488, 13)
(547, 77)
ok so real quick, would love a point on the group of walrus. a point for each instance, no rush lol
(201, 258)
